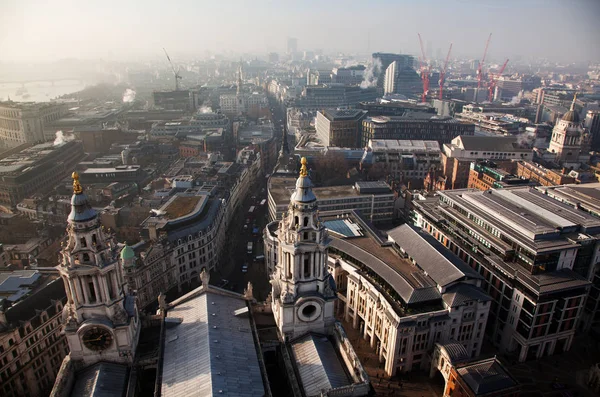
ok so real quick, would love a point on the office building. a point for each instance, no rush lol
(22, 123)
(486, 175)
(401, 80)
(31, 344)
(395, 107)
(36, 169)
(544, 176)
(374, 200)
(384, 60)
(174, 100)
(403, 160)
(314, 98)
(340, 128)
(352, 75)
(535, 254)
(292, 45)
(416, 126)
(458, 155)
(592, 124)
(507, 88)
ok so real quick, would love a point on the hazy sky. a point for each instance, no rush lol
(112, 29)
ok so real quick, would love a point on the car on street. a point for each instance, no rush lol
(244, 268)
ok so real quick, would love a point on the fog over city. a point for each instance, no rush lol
(30, 30)
(285, 198)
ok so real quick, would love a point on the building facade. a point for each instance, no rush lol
(435, 128)
(25, 122)
(458, 155)
(31, 344)
(403, 160)
(36, 169)
(340, 128)
(374, 200)
(535, 254)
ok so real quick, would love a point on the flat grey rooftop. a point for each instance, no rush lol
(487, 376)
(101, 380)
(212, 351)
(436, 260)
(318, 364)
(407, 280)
(540, 220)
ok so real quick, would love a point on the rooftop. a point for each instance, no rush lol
(487, 376)
(282, 187)
(31, 157)
(212, 351)
(101, 380)
(343, 114)
(540, 221)
(433, 258)
(490, 143)
(180, 206)
(318, 364)
(407, 146)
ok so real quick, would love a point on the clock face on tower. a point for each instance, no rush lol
(97, 338)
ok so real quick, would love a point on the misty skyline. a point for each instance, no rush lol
(559, 30)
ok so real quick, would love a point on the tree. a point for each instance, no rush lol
(330, 167)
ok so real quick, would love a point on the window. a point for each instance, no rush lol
(83, 242)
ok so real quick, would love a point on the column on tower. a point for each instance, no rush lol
(104, 284)
(96, 288)
(74, 294)
(83, 285)
(115, 284)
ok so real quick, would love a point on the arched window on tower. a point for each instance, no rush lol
(306, 221)
(86, 257)
(94, 239)
(306, 268)
(296, 221)
(83, 242)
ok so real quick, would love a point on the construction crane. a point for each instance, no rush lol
(175, 72)
(494, 80)
(443, 74)
(424, 71)
(480, 67)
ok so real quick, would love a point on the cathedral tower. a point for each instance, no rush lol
(569, 141)
(100, 317)
(303, 291)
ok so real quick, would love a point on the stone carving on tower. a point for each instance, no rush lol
(303, 291)
(101, 319)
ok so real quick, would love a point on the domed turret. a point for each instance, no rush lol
(303, 193)
(572, 116)
(127, 253)
(81, 210)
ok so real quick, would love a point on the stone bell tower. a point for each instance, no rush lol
(100, 317)
(303, 291)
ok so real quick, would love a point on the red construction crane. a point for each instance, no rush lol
(443, 74)
(494, 80)
(479, 68)
(424, 71)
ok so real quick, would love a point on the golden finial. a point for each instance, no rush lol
(303, 171)
(77, 189)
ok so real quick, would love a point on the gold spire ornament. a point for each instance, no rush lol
(303, 170)
(77, 189)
